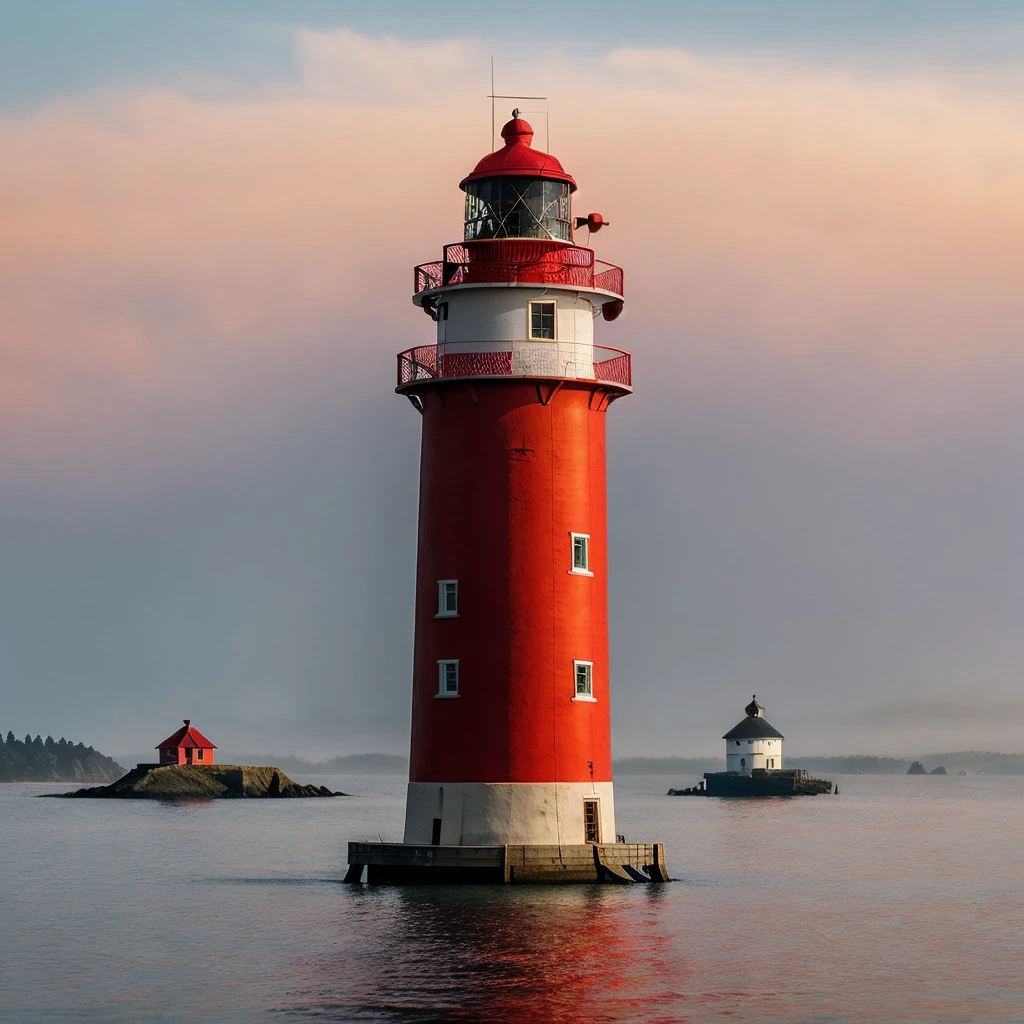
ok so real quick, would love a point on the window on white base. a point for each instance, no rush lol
(542, 321)
(447, 598)
(448, 678)
(584, 672)
(581, 554)
(591, 821)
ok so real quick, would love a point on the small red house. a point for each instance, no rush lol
(187, 746)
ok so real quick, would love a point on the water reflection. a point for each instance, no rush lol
(592, 953)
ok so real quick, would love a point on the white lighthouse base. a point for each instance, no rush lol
(507, 813)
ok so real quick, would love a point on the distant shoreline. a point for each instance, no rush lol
(971, 761)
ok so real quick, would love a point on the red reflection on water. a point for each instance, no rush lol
(586, 953)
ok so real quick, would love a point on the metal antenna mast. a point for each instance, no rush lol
(547, 124)
(492, 96)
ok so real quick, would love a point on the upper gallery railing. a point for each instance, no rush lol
(520, 261)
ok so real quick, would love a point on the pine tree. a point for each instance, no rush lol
(36, 760)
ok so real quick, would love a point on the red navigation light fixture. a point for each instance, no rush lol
(511, 692)
(593, 222)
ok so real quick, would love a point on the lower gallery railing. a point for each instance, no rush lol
(571, 360)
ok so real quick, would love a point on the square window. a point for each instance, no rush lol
(542, 321)
(447, 598)
(580, 553)
(448, 678)
(584, 672)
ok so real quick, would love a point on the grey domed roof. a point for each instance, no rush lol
(754, 726)
(752, 729)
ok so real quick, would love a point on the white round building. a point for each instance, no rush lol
(753, 743)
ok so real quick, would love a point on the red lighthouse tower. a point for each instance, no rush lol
(511, 746)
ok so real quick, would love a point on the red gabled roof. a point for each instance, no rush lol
(187, 736)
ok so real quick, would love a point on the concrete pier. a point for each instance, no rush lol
(406, 864)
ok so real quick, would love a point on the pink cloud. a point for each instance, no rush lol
(857, 238)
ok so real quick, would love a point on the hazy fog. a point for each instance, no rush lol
(209, 490)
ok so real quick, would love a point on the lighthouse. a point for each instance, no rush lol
(510, 774)
(753, 743)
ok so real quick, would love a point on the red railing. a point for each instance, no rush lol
(451, 360)
(520, 261)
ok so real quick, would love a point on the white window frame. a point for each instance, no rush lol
(576, 571)
(442, 611)
(589, 695)
(529, 318)
(596, 800)
(442, 677)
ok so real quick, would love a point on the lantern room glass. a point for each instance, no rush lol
(518, 208)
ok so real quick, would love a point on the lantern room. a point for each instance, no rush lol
(186, 746)
(518, 191)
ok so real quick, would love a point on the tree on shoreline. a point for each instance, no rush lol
(39, 760)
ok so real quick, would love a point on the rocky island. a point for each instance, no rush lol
(202, 782)
(753, 764)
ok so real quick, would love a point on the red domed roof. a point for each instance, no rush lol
(518, 159)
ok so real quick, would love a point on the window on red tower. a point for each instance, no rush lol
(584, 671)
(542, 321)
(448, 677)
(581, 553)
(199, 754)
(447, 599)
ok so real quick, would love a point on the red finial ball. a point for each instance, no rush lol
(517, 130)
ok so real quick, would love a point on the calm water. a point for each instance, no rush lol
(902, 899)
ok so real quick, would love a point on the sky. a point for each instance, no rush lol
(210, 213)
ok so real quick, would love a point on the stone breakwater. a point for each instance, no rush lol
(202, 782)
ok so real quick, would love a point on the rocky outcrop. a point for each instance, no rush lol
(938, 771)
(203, 782)
(917, 769)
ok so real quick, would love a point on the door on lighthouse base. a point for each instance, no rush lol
(591, 822)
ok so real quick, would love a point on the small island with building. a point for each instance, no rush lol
(186, 771)
(753, 764)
